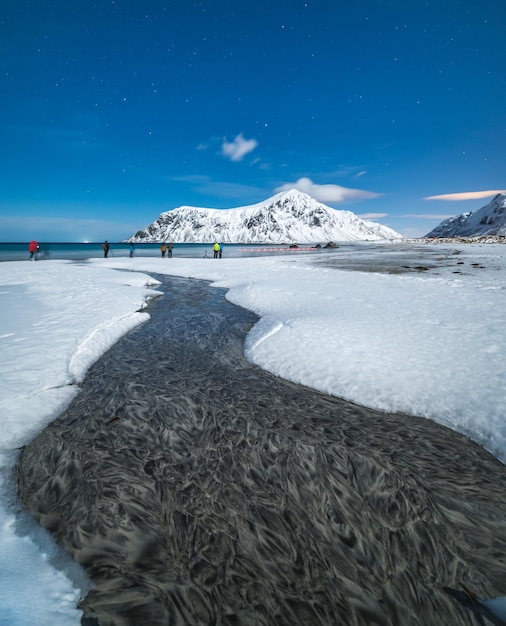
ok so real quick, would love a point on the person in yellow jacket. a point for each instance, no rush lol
(216, 249)
(163, 249)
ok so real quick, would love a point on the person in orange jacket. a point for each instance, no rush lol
(32, 248)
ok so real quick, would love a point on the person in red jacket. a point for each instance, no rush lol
(32, 248)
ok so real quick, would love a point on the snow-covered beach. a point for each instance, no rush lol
(425, 339)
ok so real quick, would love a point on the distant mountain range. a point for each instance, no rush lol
(288, 217)
(489, 220)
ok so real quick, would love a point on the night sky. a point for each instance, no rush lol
(114, 111)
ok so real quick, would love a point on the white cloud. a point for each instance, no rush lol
(466, 195)
(327, 193)
(373, 216)
(238, 148)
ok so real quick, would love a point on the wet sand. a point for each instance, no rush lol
(196, 488)
(397, 259)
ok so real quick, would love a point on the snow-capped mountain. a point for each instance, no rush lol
(489, 220)
(288, 217)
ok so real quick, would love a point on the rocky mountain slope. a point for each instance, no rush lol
(288, 217)
(489, 220)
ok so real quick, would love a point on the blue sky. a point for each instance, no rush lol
(116, 110)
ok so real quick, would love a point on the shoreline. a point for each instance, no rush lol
(209, 486)
(83, 251)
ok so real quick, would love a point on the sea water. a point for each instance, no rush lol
(79, 251)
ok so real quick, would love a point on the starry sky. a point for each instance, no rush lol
(113, 111)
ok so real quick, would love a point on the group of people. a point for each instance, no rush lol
(166, 248)
(217, 250)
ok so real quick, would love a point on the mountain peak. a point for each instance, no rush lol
(292, 193)
(287, 217)
(489, 220)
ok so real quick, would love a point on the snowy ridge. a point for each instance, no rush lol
(288, 217)
(489, 220)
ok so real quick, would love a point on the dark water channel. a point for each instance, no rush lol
(196, 488)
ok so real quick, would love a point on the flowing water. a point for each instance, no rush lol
(196, 488)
